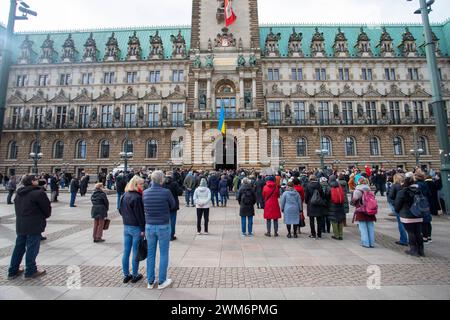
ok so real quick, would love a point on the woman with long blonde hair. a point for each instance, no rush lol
(131, 208)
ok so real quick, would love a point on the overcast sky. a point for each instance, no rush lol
(82, 14)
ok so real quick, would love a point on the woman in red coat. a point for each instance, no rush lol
(272, 211)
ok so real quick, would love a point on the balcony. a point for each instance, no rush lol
(213, 116)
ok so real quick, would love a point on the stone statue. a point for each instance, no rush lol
(72, 114)
(241, 61)
(164, 113)
(27, 116)
(407, 110)
(287, 111)
(248, 100)
(209, 44)
(49, 114)
(312, 111)
(141, 113)
(360, 111)
(383, 111)
(202, 102)
(336, 111)
(209, 61)
(94, 114)
(117, 114)
(197, 62)
(252, 60)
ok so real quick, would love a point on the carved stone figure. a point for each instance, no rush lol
(360, 111)
(94, 114)
(407, 110)
(252, 60)
(241, 61)
(287, 111)
(141, 113)
(383, 111)
(248, 100)
(209, 63)
(26, 118)
(312, 111)
(48, 115)
(202, 101)
(117, 114)
(164, 113)
(336, 111)
(197, 62)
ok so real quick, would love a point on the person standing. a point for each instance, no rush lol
(223, 190)
(399, 179)
(74, 187)
(272, 211)
(291, 206)
(84, 182)
(173, 186)
(121, 184)
(32, 208)
(336, 208)
(99, 211)
(131, 208)
(202, 198)
(434, 199)
(327, 195)
(419, 178)
(11, 187)
(366, 221)
(247, 200)
(54, 189)
(158, 203)
(259, 190)
(343, 182)
(314, 198)
(213, 185)
(189, 187)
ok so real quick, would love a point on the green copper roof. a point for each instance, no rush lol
(101, 37)
(351, 33)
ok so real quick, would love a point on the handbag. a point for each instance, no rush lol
(106, 225)
(302, 220)
(142, 249)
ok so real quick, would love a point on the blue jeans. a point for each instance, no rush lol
(215, 195)
(401, 228)
(119, 195)
(131, 237)
(155, 234)
(109, 184)
(223, 199)
(62, 183)
(28, 244)
(73, 196)
(367, 230)
(173, 221)
(189, 195)
(250, 224)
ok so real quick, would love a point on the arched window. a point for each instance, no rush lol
(104, 149)
(398, 146)
(35, 147)
(423, 144)
(81, 150)
(350, 147)
(277, 147)
(58, 150)
(13, 150)
(374, 146)
(152, 148)
(325, 144)
(301, 147)
(127, 146)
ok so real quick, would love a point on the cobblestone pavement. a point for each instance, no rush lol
(224, 260)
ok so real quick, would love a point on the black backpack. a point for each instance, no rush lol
(247, 197)
(316, 199)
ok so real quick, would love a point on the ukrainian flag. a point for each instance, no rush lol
(222, 126)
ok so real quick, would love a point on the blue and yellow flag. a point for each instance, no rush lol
(222, 125)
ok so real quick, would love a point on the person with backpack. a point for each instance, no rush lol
(259, 190)
(223, 190)
(420, 177)
(408, 204)
(399, 179)
(343, 182)
(202, 199)
(315, 206)
(272, 211)
(247, 200)
(326, 191)
(365, 213)
(213, 185)
(121, 184)
(291, 206)
(73, 188)
(173, 186)
(336, 208)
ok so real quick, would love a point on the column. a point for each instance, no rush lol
(241, 93)
(196, 106)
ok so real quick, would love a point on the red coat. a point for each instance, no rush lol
(271, 193)
(368, 171)
(300, 191)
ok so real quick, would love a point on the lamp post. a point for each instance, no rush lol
(6, 58)
(321, 153)
(438, 104)
(417, 153)
(36, 157)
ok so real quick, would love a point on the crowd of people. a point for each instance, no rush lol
(148, 203)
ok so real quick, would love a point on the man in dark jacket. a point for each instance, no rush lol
(176, 191)
(54, 187)
(246, 199)
(316, 206)
(213, 185)
(32, 209)
(84, 183)
(121, 183)
(11, 187)
(74, 187)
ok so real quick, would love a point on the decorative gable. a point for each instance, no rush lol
(90, 50)
(295, 44)
(372, 92)
(419, 92)
(38, 98)
(83, 97)
(318, 44)
(152, 95)
(386, 44)
(106, 96)
(26, 51)
(408, 46)
(134, 48)
(275, 92)
(129, 96)
(340, 46)
(16, 98)
(156, 47)
(272, 48)
(395, 92)
(300, 92)
(323, 92)
(348, 92)
(176, 94)
(112, 51)
(48, 53)
(363, 44)
(69, 50)
(60, 97)
(178, 46)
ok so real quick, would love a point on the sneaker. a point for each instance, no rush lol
(173, 238)
(18, 274)
(199, 233)
(311, 236)
(165, 284)
(401, 243)
(127, 279)
(244, 235)
(43, 238)
(335, 238)
(267, 234)
(288, 235)
(276, 234)
(137, 278)
(37, 274)
(206, 233)
(295, 235)
(151, 285)
(250, 234)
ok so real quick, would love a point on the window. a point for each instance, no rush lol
(367, 74)
(390, 74)
(347, 112)
(277, 148)
(155, 76)
(177, 76)
(107, 116)
(58, 150)
(152, 149)
(13, 150)
(128, 146)
(423, 144)
(324, 112)
(394, 109)
(81, 150)
(43, 80)
(104, 149)
(297, 74)
(229, 104)
(274, 113)
(299, 112)
(132, 77)
(21, 80)
(301, 147)
(86, 78)
(325, 144)
(38, 116)
(321, 74)
(153, 114)
(177, 148)
(65, 79)
(16, 116)
(374, 146)
(344, 74)
(109, 77)
(177, 114)
(61, 116)
(413, 74)
(273, 74)
(130, 115)
(83, 116)
(35, 147)
(398, 146)
(418, 112)
(350, 147)
(371, 112)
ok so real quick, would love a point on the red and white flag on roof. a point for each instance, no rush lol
(230, 17)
